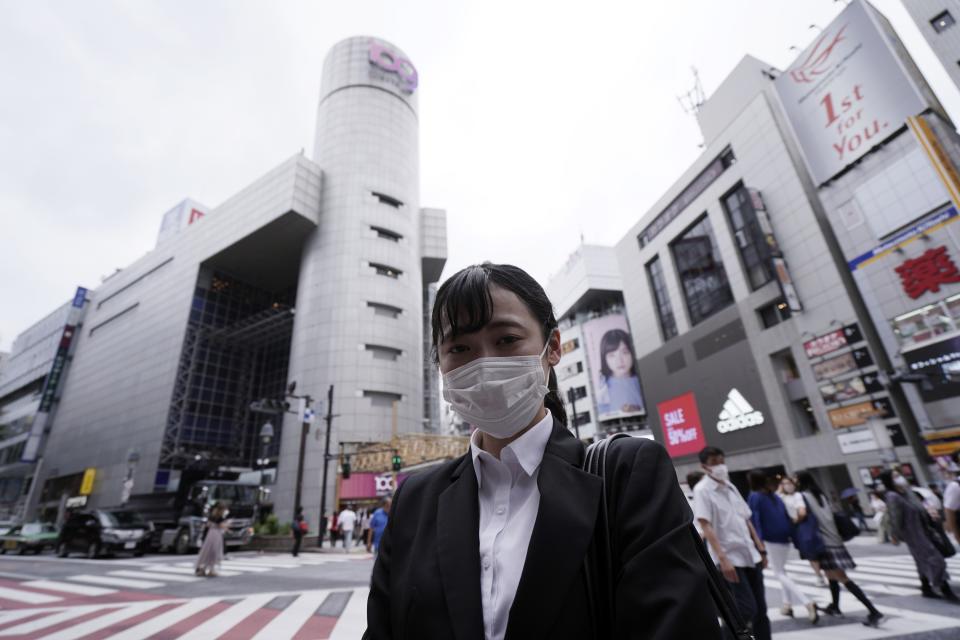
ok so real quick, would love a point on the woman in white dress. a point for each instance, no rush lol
(211, 553)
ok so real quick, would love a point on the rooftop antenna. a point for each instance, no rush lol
(692, 100)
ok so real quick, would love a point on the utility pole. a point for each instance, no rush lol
(304, 428)
(326, 461)
(572, 398)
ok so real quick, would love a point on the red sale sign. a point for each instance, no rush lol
(680, 420)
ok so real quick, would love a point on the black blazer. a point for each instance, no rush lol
(426, 580)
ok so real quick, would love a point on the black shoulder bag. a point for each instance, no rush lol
(599, 568)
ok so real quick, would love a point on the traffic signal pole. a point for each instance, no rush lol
(304, 428)
(326, 462)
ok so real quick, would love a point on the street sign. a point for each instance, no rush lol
(86, 486)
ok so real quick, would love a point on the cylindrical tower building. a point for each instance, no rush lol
(359, 307)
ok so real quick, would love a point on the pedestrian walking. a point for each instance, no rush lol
(879, 516)
(909, 522)
(834, 558)
(378, 522)
(518, 503)
(725, 520)
(364, 537)
(210, 556)
(951, 505)
(298, 529)
(772, 523)
(347, 521)
(797, 510)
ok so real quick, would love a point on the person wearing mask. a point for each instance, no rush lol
(797, 510)
(347, 521)
(835, 559)
(492, 545)
(908, 523)
(774, 527)
(734, 545)
(378, 522)
(297, 529)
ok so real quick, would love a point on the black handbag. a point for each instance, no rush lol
(599, 565)
(938, 536)
(846, 527)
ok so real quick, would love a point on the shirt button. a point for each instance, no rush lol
(486, 564)
(500, 511)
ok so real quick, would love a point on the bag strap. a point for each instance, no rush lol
(598, 564)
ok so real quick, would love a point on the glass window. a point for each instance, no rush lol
(704, 280)
(774, 313)
(926, 323)
(750, 241)
(942, 21)
(668, 325)
(120, 518)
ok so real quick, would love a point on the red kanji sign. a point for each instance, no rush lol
(928, 272)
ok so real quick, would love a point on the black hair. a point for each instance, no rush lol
(806, 482)
(886, 478)
(464, 303)
(611, 341)
(758, 480)
(694, 477)
(706, 452)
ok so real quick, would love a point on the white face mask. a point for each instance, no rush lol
(900, 481)
(498, 395)
(720, 473)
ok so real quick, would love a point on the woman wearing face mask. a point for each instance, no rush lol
(491, 546)
(907, 517)
(835, 559)
(797, 510)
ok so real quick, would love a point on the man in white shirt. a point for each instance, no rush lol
(951, 505)
(724, 520)
(347, 521)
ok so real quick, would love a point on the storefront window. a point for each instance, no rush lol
(929, 322)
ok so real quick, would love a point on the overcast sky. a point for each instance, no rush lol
(539, 121)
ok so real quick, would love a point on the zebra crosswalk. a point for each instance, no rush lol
(325, 614)
(148, 575)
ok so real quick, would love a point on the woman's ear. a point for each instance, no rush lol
(553, 348)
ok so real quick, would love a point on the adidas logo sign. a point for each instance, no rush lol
(737, 414)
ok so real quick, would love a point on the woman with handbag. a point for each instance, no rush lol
(211, 552)
(494, 545)
(833, 556)
(909, 522)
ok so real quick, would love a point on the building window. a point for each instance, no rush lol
(704, 280)
(570, 370)
(387, 310)
(384, 270)
(668, 324)
(774, 313)
(753, 247)
(382, 398)
(386, 234)
(581, 418)
(942, 21)
(577, 393)
(569, 345)
(381, 352)
(387, 200)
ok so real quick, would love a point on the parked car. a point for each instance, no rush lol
(104, 531)
(31, 537)
(6, 525)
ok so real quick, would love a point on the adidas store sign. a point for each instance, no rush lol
(737, 414)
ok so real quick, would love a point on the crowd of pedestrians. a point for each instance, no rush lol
(783, 513)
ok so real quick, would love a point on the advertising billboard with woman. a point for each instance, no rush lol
(613, 367)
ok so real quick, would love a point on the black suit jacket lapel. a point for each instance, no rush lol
(566, 519)
(458, 546)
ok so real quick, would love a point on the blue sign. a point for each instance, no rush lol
(80, 297)
(904, 237)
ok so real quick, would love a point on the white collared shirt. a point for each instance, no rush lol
(509, 503)
(724, 508)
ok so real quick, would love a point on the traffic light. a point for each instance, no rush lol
(269, 405)
(397, 462)
(345, 468)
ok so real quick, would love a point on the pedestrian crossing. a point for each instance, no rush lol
(150, 575)
(324, 614)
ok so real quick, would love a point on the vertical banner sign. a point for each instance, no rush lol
(938, 157)
(682, 430)
(846, 93)
(784, 279)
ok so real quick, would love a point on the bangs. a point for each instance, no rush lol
(463, 304)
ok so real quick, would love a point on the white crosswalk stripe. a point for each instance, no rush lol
(104, 621)
(227, 619)
(48, 621)
(28, 597)
(157, 624)
(127, 583)
(293, 617)
(66, 587)
(152, 576)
